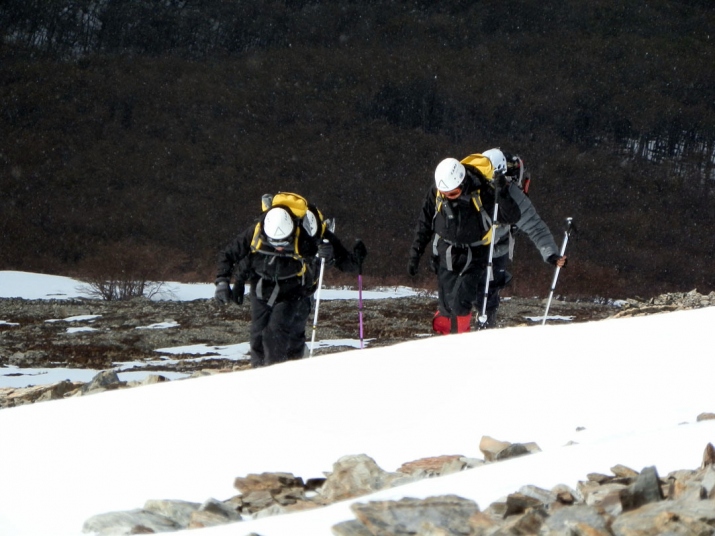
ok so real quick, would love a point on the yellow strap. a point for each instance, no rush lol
(256, 240)
(477, 201)
(439, 200)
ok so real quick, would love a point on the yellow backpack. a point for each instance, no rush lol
(481, 163)
(298, 207)
(297, 204)
(305, 217)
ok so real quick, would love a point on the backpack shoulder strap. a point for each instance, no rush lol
(256, 241)
(258, 245)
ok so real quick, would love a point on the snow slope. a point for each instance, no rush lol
(634, 385)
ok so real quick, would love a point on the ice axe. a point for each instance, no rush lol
(567, 233)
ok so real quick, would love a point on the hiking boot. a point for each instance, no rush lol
(491, 318)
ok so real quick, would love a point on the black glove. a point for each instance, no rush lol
(412, 266)
(359, 251)
(500, 181)
(325, 251)
(237, 292)
(434, 263)
(223, 293)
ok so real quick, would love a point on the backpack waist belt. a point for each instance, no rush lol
(458, 245)
(276, 288)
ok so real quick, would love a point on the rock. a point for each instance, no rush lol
(255, 501)
(667, 517)
(149, 380)
(708, 455)
(211, 513)
(351, 528)
(57, 391)
(490, 447)
(707, 484)
(512, 451)
(103, 381)
(542, 495)
(622, 471)
(518, 503)
(434, 466)
(357, 475)
(271, 482)
(408, 516)
(495, 450)
(646, 489)
(178, 511)
(673, 301)
(11, 397)
(130, 522)
(261, 492)
(578, 519)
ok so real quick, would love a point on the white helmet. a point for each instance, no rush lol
(498, 160)
(278, 224)
(449, 174)
(310, 223)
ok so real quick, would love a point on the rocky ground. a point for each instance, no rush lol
(34, 332)
(38, 333)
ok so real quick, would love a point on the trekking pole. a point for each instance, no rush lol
(360, 302)
(317, 305)
(569, 226)
(482, 318)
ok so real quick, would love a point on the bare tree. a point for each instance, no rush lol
(126, 270)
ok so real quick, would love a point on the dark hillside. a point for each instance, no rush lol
(160, 124)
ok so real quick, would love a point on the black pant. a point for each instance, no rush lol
(501, 279)
(459, 294)
(278, 332)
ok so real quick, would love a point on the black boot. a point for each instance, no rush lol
(492, 318)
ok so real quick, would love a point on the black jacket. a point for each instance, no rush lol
(295, 274)
(458, 223)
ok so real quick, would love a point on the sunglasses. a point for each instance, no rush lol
(278, 243)
(452, 194)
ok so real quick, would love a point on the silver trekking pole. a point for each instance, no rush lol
(482, 318)
(330, 226)
(569, 225)
(317, 305)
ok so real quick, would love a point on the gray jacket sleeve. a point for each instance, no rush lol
(532, 225)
